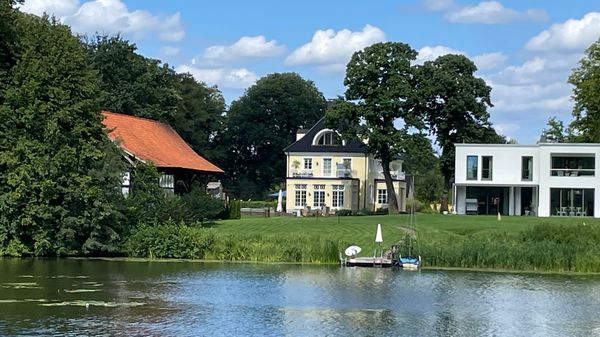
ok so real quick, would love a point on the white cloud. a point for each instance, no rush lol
(493, 12)
(569, 35)
(52, 7)
(429, 53)
(238, 78)
(438, 5)
(247, 46)
(489, 61)
(329, 48)
(506, 129)
(109, 16)
(170, 51)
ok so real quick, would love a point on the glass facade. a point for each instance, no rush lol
(572, 201)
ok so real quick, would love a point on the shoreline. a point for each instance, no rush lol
(426, 268)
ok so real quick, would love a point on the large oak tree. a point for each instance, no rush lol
(379, 90)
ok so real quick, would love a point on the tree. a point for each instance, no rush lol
(8, 18)
(586, 94)
(555, 132)
(199, 118)
(453, 104)
(420, 161)
(260, 124)
(59, 173)
(131, 83)
(379, 91)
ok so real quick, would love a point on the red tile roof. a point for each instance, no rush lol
(154, 141)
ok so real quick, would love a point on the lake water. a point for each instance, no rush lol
(70, 297)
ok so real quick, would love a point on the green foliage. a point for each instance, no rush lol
(556, 132)
(420, 161)
(58, 177)
(344, 212)
(8, 31)
(169, 240)
(586, 81)
(233, 209)
(131, 83)
(276, 248)
(260, 124)
(201, 205)
(453, 104)
(379, 91)
(199, 118)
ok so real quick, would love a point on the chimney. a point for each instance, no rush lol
(300, 133)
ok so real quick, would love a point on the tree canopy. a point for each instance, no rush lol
(453, 104)
(58, 170)
(586, 95)
(260, 124)
(131, 83)
(379, 91)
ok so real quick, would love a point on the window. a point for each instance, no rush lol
(347, 163)
(319, 195)
(327, 167)
(300, 200)
(471, 167)
(573, 165)
(308, 163)
(382, 196)
(486, 168)
(126, 184)
(527, 168)
(337, 196)
(329, 138)
(167, 182)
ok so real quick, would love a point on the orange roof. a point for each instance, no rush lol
(154, 141)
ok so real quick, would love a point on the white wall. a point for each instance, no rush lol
(506, 163)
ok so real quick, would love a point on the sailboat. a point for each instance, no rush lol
(410, 261)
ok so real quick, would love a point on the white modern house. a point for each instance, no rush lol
(545, 179)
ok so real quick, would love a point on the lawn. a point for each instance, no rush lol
(360, 230)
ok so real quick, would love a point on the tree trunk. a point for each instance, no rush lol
(392, 201)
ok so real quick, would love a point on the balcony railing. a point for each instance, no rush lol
(302, 173)
(572, 172)
(395, 175)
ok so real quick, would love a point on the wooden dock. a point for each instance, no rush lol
(377, 262)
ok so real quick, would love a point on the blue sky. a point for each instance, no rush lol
(525, 50)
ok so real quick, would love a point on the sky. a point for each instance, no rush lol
(525, 50)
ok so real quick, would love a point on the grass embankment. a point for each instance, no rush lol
(515, 243)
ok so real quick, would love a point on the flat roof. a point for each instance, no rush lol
(527, 145)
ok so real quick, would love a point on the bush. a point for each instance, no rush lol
(234, 210)
(344, 212)
(200, 205)
(169, 240)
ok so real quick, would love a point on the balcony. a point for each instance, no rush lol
(580, 165)
(302, 173)
(395, 175)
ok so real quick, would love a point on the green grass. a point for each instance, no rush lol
(518, 243)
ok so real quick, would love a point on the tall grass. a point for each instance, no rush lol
(276, 248)
(544, 247)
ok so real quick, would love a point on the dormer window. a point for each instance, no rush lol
(327, 138)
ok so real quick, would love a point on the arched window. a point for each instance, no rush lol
(328, 138)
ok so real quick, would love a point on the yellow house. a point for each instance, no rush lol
(326, 172)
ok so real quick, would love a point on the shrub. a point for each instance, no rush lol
(234, 210)
(344, 212)
(169, 240)
(200, 205)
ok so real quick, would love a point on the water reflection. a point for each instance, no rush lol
(117, 298)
